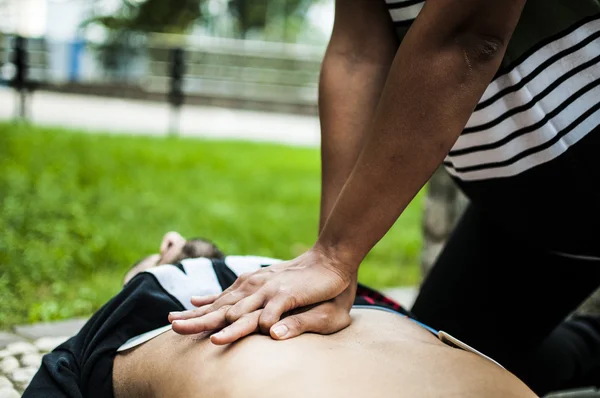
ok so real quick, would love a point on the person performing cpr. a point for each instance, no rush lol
(506, 95)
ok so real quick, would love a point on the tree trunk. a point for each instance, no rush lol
(444, 204)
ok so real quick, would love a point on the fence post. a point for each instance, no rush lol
(76, 51)
(176, 94)
(19, 81)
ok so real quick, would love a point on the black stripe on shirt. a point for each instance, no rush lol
(528, 105)
(531, 128)
(161, 288)
(529, 151)
(180, 266)
(225, 275)
(537, 71)
(523, 57)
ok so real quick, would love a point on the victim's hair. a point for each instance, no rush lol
(199, 247)
(194, 248)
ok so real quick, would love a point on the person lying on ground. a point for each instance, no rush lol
(128, 350)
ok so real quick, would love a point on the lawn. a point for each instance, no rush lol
(78, 209)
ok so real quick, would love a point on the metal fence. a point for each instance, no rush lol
(217, 70)
(38, 59)
(241, 69)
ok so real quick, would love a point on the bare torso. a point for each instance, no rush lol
(380, 354)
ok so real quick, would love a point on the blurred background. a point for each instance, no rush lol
(259, 54)
(121, 120)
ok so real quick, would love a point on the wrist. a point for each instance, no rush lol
(340, 257)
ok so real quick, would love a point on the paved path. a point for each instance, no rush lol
(142, 117)
(21, 352)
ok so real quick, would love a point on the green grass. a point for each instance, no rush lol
(78, 209)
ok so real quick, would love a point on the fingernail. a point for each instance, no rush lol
(196, 297)
(280, 331)
(175, 314)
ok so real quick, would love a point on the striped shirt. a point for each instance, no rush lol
(543, 100)
(528, 151)
(206, 277)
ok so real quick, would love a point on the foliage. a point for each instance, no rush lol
(78, 209)
(152, 16)
(126, 27)
(163, 17)
(276, 20)
(252, 14)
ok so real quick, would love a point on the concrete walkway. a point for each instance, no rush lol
(150, 118)
(21, 352)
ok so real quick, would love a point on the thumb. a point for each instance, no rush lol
(317, 320)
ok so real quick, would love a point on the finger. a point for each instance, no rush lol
(244, 326)
(170, 239)
(238, 282)
(274, 308)
(244, 307)
(212, 321)
(225, 299)
(188, 314)
(316, 320)
(199, 301)
(234, 292)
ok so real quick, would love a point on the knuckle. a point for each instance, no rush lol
(322, 318)
(231, 315)
(275, 289)
(290, 301)
(265, 323)
(246, 318)
(196, 312)
(224, 310)
(231, 296)
(295, 323)
(255, 280)
(283, 290)
(214, 307)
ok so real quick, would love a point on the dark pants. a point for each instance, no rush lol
(508, 299)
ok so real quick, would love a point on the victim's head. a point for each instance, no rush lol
(173, 249)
